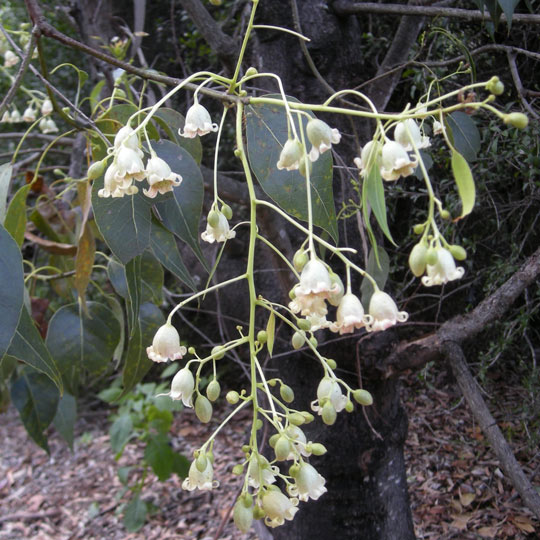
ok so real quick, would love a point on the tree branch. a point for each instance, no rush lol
(471, 392)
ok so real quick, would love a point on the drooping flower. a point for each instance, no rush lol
(321, 136)
(200, 480)
(370, 157)
(329, 390)
(166, 345)
(129, 163)
(48, 125)
(309, 483)
(116, 185)
(260, 472)
(396, 162)
(126, 136)
(299, 441)
(16, 117)
(384, 312)
(160, 177)
(182, 387)
(437, 127)
(29, 115)
(443, 270)
(350, 315)
(407, 132)
(291, 155)
(46, 107)
(219, 233)
(278, 508)
(198, 122)
(10, 59)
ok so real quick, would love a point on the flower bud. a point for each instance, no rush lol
(213, 390)
(419, 228)
(201, 462)
(516, 119)
(96, 170)
(308, 416)
(445, 214)
(313, 341)
(294, 470)
(258, 512)
(203, 409)
(329, 414)
(238, 469)
(258, 424)
(273, 439)
(286, 393)
(242, 515)
(457, 252)
(495, 86)
(304, 324)
(232, 397)
(298, 340)
(362, 397)
(296, 419)
(282, 448)
(251, 71)
(262, 336)
(217, 352)
(431, 256)
(331, 363)
(349, 406)
(300, 260)
(213, 218)
(318, 449)
(417, 259)
(226, 210)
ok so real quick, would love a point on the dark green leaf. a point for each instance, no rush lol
(64, 421)
(5, 178)
(164, 247)
(11, 288)
(123, 474)
(133, 280)
(180, 465)
(15, 222)
(464, 134)
(374, 194)
(110, 395)
(160, 419)
(120, 432)
(36, 399)
(159, 455)
(135, 514)
(182, 212)
(117, 276)
(508, 6)
(378, 270)
(266, 135)
(80, 343)
(28, 347)
(151, 278)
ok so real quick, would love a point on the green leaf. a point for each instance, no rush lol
(508, 6)
(15, 222)
(84, 262)
(64, 421)
(160, 419)
(373, 190)
(5, 178)
(11, 288)
(266, 135)
(82, 344)
(123, 222)
(159, 455)
(135, 514)
(164, 247)
(120, 432)
(180, 465)
(464, 134)
(28, 347)
(123, 474)
(110, 395)
(134, 286)
(151, 278)
(378, 270)
(171, 121)
(182, 212)
(464, 181)
(137, 362)
(36, 399)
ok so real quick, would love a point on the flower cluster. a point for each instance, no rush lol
(438, 263)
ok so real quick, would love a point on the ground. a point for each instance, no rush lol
(456, 485)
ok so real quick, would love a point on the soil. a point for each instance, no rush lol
(456, 485)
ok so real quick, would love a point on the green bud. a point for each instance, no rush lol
(308, 416)
(247, 499)
(298, 340)
(213, 390)
(203, 409)
(318, 449)
(272, 382)
(294, 470)
(292, 294)
(303, 324)
(495, 86)
(226, 210)
(96, 169)
(313, 341)
(331, 363)
(286, 393)
(457, 252)
(516, 119)
(445, 214)
(242, 514)
(251, 71)
(262, 336)
(246, 448)
(349, 406)
(417, 259)
(218, 3)
(201, 462)
(273, 439)
(296, 419)
(191, 350)
(335, 298)
(232, 397)
(329, 414)
(217, 352)
(238, 469)
(213, 218)
(59, 172)
(258, 424)
(300, 260)
(419, 228)
(282, 448)
(258, 512)
(431, 256)
(238, 153)
(362, 397)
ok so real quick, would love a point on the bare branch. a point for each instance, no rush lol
(518, 84)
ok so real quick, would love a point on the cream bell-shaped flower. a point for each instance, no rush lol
(10, 59)
(437, 127)
(115, 185)
(6, 118)
(350, 315)
(396, 162)
(321, 136)
(126, 137)
(371, 154)
(291, 155)
(260, 472)
(329, 389)
(16, 117)
(443, 270)
(220, 233)
(198, 122)
(129, 163)
(384, 312)
(200, 480)
(182, 387)
(29, 114)
(407, 132)
(160, 177)
(309, 483)
(299, 441)
(46, 107)
(278, 508)
(48, 125)
(166, 345)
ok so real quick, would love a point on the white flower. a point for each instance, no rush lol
(166, 345)
(126, 137)
(182, 387)
(437, 127)
(299, 441)
(329, 389)
(260, 472)
(6, 118)
(309, 483)
(160, 177)
(291, 155)
(278, 508)
(384, 312)
(443, 270)
(116, 185)
(46, 107)
(317, 322)
(321, 136)
(350, 315)
(198, 122)
(220, 233)
(29, 115)
(47, 125)
(201, 480)
(370, 157)
(16, 117)
(10, 59)
(408, 132)
(129, 163)
(396, 162)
